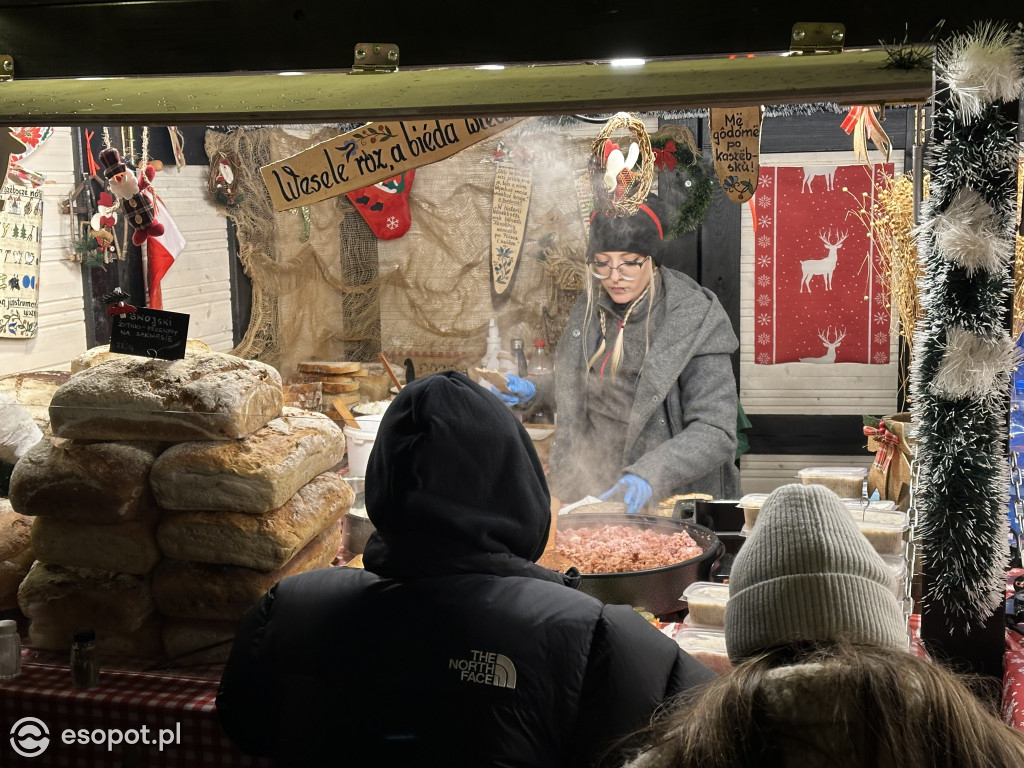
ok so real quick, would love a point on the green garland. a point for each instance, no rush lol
(702, 186)
(88, 252)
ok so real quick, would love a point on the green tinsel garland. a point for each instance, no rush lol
(961, 454)
(702, 188)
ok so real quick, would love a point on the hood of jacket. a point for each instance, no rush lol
(454, 485)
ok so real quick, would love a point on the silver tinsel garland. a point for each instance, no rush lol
(963, 354)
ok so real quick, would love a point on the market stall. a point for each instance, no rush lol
(452, 225)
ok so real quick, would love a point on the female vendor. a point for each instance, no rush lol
(643, 386)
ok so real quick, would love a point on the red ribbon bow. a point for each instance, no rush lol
(665, 158)
(863, 124)
(887, 442)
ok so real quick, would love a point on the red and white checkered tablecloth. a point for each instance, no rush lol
(160, 720)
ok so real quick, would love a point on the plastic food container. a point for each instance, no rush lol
(847, 482)
(705, 645)
(882, 505)
(884, 530)
(706, 602)
(898, 565)
(751, 504)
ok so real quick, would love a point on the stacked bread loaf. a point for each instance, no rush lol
(16, 555)
(94, 536)
(241, 516)
(33, 390)
(100, 354)
(161, 546)
(347, 382)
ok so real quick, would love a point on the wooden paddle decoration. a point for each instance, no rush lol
(736, 149)
(512, 189)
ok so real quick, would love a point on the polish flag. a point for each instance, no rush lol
(161, 251)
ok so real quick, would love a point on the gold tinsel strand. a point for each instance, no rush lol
(889, 224)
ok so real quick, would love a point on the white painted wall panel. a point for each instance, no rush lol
(199, 282)
(61, 312)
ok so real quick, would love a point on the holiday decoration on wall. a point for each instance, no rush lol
(136, 204)
(818, 296)
(21, 220)
(621, 178)
(385, 205)
(676, 153)
(963, 351)
(15, 145)
(222, 182)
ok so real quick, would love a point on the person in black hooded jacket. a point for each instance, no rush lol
(452, 647)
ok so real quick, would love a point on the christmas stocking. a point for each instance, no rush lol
(385, 205)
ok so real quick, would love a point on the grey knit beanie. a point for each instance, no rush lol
(807, 574)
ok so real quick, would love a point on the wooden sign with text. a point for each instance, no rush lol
(375, 152)
(736, 150)
(512, 189)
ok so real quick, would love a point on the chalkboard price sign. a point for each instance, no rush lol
(150, 333)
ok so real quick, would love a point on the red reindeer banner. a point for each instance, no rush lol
(817, 296)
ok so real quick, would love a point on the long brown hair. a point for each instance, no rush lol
(838, 706)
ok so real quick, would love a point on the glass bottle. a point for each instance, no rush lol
(540, 360)
(540, 364)
(520, 356)
(10, 650)
(85, 671)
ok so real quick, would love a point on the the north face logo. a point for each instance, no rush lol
(486, 668)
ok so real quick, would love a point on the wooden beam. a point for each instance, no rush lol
(851, 77)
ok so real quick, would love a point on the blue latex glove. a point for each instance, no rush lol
(522, 390)
(635, 492)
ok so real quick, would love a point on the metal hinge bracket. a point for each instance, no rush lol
(817, 37)
(375, 57)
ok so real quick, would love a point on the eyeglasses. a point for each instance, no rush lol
(628, 270)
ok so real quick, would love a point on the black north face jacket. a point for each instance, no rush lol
(452, 647)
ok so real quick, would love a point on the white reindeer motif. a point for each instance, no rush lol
(811, 172)
(824, 267)
(830, 346)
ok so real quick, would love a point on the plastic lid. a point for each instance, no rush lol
(8, 627)
(882, 505)
(85, 636)
(887, 520)
(696, 637)
(752, 500)
(708, 591)
(851, 472)
(539, 343)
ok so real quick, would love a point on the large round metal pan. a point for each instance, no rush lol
(656, 589)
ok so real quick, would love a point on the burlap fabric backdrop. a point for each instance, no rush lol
(325, 288)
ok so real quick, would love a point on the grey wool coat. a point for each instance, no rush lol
(681, 434)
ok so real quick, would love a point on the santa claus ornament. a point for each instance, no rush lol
(136, 206)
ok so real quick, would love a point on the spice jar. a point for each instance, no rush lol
(10, 650)
(85, 672)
